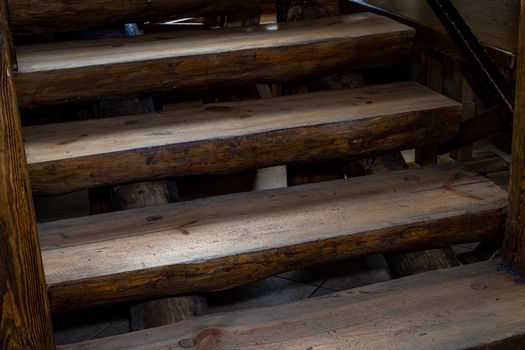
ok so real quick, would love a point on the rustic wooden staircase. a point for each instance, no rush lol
(226, 241)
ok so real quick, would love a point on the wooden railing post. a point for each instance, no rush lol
(514, 246)
(25, 321)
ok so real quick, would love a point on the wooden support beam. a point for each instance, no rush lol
(514, 245)
(25, 321)
(161, 312)
(411, 263)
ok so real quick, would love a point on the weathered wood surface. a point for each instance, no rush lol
(476, 306)
(494, 22)
(25, 321)
(78, 71)
(238, 135)
(226, 241)
(514, 244)
(34, 16)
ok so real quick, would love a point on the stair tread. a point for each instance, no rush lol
(75, 54)
(466, 307)
(225, 241)
(229, 136)
(77, 71)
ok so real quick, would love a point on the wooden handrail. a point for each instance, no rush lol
(25, 320)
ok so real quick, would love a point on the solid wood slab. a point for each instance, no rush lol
(34, 16)
(79, 71)
(238, 135)
(227, 241)
(478, 306)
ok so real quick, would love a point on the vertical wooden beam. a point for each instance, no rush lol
(513, 251)
(431, 74)
(25, 321)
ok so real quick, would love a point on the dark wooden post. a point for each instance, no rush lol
(514, 244)
(25, 320)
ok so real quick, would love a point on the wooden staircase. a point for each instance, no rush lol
(221, 242)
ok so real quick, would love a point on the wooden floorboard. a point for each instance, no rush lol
(79, 71)
(238, 135)
(226, 241)
(469, 307)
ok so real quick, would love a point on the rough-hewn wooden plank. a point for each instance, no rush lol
(237, 135)
(468, 307)
(514, 244)
(51, 73)
(25, 321)
(494, 22)
(34, 16)
(226, 241)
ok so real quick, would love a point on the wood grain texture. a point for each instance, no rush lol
(514, 244)
(476, 306)
(68, 72)
(238, 135)
(25, 321)
(33, 16)
(494, 22)
(226, 241)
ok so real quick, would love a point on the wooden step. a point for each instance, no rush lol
(238, 135)
(227, 241)
(35, 16)
(478, 306)
(79, 71)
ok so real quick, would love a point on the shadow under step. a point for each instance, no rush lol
(227, 241)
(87, 70)
(226, 137)
(478, 306)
